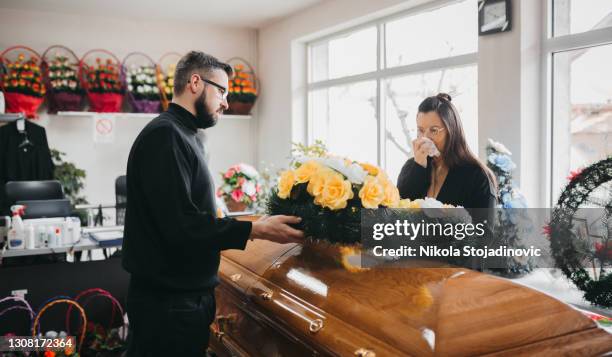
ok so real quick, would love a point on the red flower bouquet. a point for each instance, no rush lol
(102, 82)
(22, 83)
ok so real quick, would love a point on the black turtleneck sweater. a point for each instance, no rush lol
(172, 238)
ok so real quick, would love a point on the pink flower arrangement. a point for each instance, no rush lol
(240, 183)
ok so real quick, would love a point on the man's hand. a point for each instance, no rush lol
(277, 229)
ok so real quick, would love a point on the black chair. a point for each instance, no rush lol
(120, 199)
(46, 208)
(33, 190)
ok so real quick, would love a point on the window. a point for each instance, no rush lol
(581, 86)
(576, 16)
(365, 84)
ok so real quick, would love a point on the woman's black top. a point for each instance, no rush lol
(466, 185)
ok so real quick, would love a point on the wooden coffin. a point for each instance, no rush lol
(291, 300)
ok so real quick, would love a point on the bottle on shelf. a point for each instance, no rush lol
(16, 234)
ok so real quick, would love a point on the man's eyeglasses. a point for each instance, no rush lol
(433, 131)
(222, 89)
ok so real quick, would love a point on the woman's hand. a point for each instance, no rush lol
(422, 147)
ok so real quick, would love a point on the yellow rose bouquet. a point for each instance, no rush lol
(328, 193)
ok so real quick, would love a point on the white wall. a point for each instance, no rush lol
(230, 142)
(508, 74)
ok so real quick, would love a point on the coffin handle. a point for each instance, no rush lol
(225, 323)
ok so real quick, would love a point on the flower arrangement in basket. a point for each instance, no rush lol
(165, 77)
(101, 80)
(22, 83)
(19, 304)
(140, 79)
(60, 72)
(329, 194)
(240, 188)
(70, 348)
(242, 88)
(99, 339)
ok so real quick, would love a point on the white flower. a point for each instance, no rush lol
(248, 187)
(248, 170)
(139, 89)
(353, 172)
(499, 147)
(130, 87)
(429, 202)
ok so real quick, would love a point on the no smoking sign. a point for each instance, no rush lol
(104, 128)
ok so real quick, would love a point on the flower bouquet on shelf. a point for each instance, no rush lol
(101, 81)
(165, 77)
(242, 88)
(60, 72)
(21, 81)
(512, 218)
(240, 188)
(141, 83)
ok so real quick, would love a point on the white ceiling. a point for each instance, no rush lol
(232, 13)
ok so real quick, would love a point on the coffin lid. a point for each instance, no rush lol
(419, 311)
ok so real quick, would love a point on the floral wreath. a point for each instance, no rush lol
(566, 248)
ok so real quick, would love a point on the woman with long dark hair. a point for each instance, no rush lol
(443, 167)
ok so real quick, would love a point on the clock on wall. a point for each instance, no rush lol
(494, 16)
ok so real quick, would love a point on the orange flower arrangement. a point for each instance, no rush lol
(242, 86)
(24, 76)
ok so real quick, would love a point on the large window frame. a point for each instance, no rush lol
(555, 172)
(381, 73)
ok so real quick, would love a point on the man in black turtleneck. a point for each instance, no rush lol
(173, 239)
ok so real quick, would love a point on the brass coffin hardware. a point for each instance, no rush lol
(316, 325)
(266, 295)
(225, 322)
(235, 277)
(217, 333)
(364, 352)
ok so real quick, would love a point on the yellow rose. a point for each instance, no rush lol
(285, 184)
(371, 169)
(336, 191)
(372, 192)
(306, 171)
(315, 185)
(391, 193)
(406, 203)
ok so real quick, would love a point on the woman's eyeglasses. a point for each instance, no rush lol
(432, 131)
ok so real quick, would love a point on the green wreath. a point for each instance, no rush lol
(569, 251)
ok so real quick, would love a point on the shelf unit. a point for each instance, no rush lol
(141, 115)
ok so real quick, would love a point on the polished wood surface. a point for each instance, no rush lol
(293, 300)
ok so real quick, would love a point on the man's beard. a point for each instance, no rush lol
(204, 119)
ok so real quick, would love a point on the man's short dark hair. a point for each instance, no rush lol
(196, 62)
